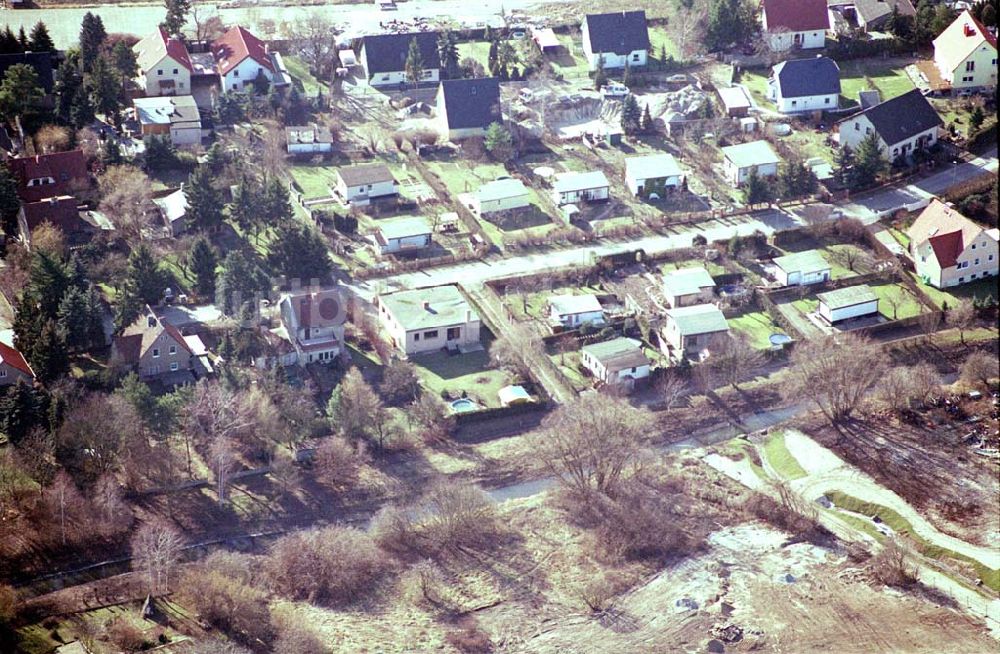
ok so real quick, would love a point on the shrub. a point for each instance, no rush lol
(470, 639)
(229, 602)
(892, 566)
(125, 635)
(338, 462)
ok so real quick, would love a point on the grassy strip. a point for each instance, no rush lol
(781, 459)
(899, 524)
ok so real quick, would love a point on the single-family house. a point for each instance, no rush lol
(153, 348)
(948, 249)
(400, 235)
(580, 187)
(61, 212)
(50, 175)
(966, 54)
(795, 23)
(572, 311)
(847, 303)
(314, 325)
(801, 268)
(173, 209)
(735, 101)
(240, 58)
(617, 39)
(43, 64)
(810, 84)
(618, 362)
(308, 139)
(652, 176)
(693, 330)
(743, 159)
(176, 116)
(507, 194)
(164, 64)
(14, 367)
(903, 125)
(466, 107)
(429, 319)
(384, 57)
(363, 183)
(688, 286)
(873, 15)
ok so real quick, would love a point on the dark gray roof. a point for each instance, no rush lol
(619, 32)
(41, 61)
(874, 12)
(868, 98)
(811, 76)
(385, 53)
(471, 103)
(902, 117)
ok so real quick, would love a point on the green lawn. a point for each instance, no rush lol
(315, 181)
(468, 373)
(478, 50)
(299, 71)
(570, 369)
(835, 255)
(460, 177)
(953, 296)
(658, 38)
(756, 83)
(570, 62)
(888, 80)
(758, 326)
(907, 305)
(781, 459)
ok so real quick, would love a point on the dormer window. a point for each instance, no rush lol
(151, 321)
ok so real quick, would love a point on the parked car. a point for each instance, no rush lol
(614, 90)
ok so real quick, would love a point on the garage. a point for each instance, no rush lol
(848, 303)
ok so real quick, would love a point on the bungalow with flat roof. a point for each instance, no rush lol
(308, 139)
(735, 101)
(366, 182)
(902, 124)
(811, 84)
(500, 195)
(688, 286)
(847, 303)
(466, 107)
(384, 57)
(801, 268)
(618, 362)
(652, 176)
(746, 158)
(429, 319)
(572, 311)
(795, 23)
(948, 249)
(693, 330)
(580, 187)
(400, 235)
(616, 39)
(176, 116)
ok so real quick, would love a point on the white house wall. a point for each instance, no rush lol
(589, 195)
(406, 243)
(846, 313)
(164, 71)
(185, 135)
(740, 176)
(243, 75)
(806, 103)
(984, 73)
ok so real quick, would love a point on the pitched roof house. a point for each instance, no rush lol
(948, 249)
(61, 212)
(240, 57)
(745, 158)
(688, 286)
(966, 54)
(173, 209)
(154, 348)
(903, 124)
(810, 84)
(795, 23)
(801, 268)
(617, 39)
(314, 325)
(618, 362)
(652, 174)
(365, 182)
(384, 57)
(13, 367)
(429, 319)
(872, 15)
(164, 64)
(466, 107)
(50, 175)
(693, 330)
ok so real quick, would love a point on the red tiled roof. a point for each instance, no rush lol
(947, 248)
(152, 49)
(13, 358)
(236, 45)
(176, 335)
(68, 169)
(796, 15)
(61, 212)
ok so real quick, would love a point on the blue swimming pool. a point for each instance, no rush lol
(463, 405)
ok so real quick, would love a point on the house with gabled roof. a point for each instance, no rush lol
(429, 319)
(809, 84)
(62, 212)
(693, 331)
(314, 324)
(743, 159)
(966, 54)
(173, 208)
(14, 367)
(616, 39)
(154, 348)
(872, 15)
(948, 249)
(164, 64)
(687, 286)
(466, 107)
(50, 175)
(384, 57)
(653, 174)
(903, 125)
(801, 268)
(365, 182)
(795, 23)
(240, 57)
(618, 362)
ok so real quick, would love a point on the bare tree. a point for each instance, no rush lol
(216, 411)
(516, 348)
(356, 411)
(892, 565)
(963, 318)
(854, 258)
(735, 360)
(900, 387)
(222, 457)
(206, 28)
(285, 475)
(980, 368)
(127, 200)
(400, 382)
(686, 27)
(836, 372)
(338, 462)
(894, 301)
(930, 322)
(672, 389)
(64, 501)
(156, 549)
(431, 416)
(52, 138)
(592, 443)
(109, 501)
(316, 41)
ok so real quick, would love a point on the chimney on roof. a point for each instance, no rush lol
(970, 30)
(151, 321)
(426, 304)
